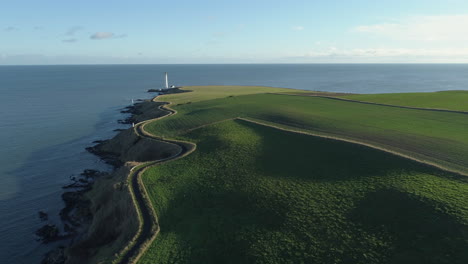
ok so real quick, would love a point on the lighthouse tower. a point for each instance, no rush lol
(167, 81)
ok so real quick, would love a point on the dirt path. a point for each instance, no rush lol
(148, 226)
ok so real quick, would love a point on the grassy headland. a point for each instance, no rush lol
(255, 194)
(203, 93)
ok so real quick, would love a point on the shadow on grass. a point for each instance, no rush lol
(216, 223)
(223, 210)
(418, 231)
(286, 154)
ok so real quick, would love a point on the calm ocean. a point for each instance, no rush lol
(49, 114)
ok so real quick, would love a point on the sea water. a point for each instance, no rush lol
(49, 114)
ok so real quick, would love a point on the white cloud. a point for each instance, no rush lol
(445, 55)
(219, 34)
(71, 31)
(388, 52)
(106, 35)
(297, 28)
(443, 28)
(102, 35)
(70, 40)
(10, 28)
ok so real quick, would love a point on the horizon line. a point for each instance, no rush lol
(242, 63)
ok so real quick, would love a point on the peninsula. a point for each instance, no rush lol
(239, 174)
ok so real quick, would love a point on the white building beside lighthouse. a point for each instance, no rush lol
(166, 84)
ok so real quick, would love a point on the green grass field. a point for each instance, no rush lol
(451, 100)
(255, 194)
(432, 136)
(203, 93)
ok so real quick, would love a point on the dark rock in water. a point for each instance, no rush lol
(71, 199)
(109, 158)
(76, 185)
(56, 256)
(77, 208)
(99, 141)
(119, 129)
(92, 150)
(88, 177)
(126, 121)
(48, 233)
(133, 109)
(90, 173)
(43, 216)
(83, 181)
(70, 230)
(154, 90)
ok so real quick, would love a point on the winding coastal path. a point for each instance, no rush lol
(148, 221)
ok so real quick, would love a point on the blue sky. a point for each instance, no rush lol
(242, 31)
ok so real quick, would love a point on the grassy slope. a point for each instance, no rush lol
(202, 93)
(451, 100)
(434, 136)
(253, 194)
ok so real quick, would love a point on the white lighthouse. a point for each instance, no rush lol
(167, 81)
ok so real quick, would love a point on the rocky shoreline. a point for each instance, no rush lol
(77, 215)
(99, 217)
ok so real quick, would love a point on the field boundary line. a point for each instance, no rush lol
(337, 138)
(379, 104)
